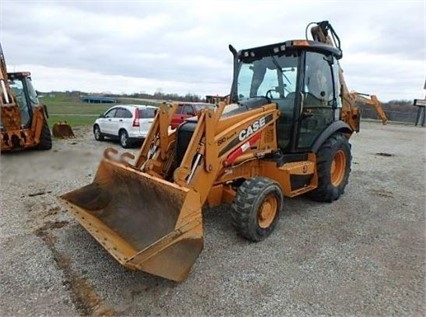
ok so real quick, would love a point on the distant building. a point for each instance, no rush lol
(98, 99)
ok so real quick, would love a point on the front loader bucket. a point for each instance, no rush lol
(62, 130)
(144, 222)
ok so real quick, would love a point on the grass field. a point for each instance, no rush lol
(77, 113)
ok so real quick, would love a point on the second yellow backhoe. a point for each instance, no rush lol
(285, 132)
(23, 122)
(23, 118)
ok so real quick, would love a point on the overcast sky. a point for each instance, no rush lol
(182, 46)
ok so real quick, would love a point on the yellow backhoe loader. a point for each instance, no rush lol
(284, 132)
(23, 118)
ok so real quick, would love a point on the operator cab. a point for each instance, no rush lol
(26, 97)
(301, 77)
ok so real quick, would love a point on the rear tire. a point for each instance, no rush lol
(97, 133)
(256, 208)
(45, 138)
(124, 139)
(333, 168)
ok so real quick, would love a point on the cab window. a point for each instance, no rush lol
(271, 76)
(318, 88)
(18, 90)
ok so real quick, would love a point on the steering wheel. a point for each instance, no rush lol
(269, 92)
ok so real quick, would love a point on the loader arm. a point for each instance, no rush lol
(208, 152)
(158, 138)
(217, 142)
(10, 114)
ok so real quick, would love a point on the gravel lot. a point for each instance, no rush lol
(362, 255)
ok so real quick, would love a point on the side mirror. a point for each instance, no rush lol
(101, 115)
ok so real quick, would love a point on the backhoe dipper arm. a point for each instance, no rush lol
(323, 32)
(372, 101)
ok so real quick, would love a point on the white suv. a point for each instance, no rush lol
(127, 123)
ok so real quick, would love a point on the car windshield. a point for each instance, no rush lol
(147, 112)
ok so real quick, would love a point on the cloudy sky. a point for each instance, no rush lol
(182, 46)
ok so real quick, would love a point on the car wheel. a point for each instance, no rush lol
(97, 133)
(124, 139)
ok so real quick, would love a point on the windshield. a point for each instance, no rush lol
(271, 76)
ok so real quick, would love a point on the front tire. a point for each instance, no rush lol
(333, 168)
(97, 133)
(256, 208)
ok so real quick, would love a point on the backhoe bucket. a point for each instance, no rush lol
(144, 222)
(62, 130)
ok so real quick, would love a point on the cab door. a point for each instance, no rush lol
(319, 102)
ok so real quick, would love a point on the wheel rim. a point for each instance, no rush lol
(267, 211)
(97, 133)
(338, 167)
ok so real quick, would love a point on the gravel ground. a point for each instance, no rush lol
(361, 255)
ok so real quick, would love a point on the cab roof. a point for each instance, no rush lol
(292, 45)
